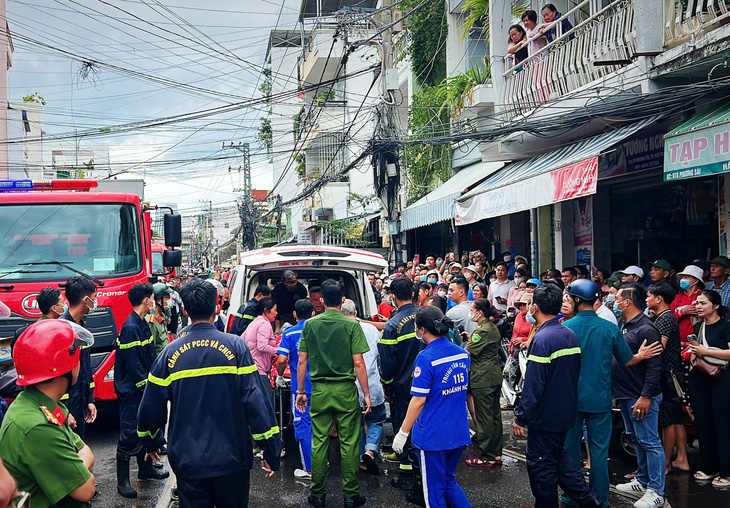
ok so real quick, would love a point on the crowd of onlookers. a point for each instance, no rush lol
(686, 310)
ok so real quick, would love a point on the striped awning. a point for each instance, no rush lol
(527, 184)
(438, 205)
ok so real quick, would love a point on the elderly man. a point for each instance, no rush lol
(720, 271)
(285, 294)
(372, 422)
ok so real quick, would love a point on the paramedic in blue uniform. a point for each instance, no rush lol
(288, 352)
(398, 350)
(549, 404)
(437, 411)
(135, 353)
(250, 311)
(218, 408)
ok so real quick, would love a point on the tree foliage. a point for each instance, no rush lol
(427, 31)
(265, 135)
(428, 165)
(36, 98)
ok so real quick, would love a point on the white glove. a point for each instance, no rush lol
(399, 442)
(280, 381)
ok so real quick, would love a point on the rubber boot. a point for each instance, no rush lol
(123, 486)
(147, 471)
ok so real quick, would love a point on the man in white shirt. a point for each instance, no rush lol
(499, 289)
(370, 441)
(604, 312)
(459, 313)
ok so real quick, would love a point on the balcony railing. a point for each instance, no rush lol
(683, 22)
(599, 45)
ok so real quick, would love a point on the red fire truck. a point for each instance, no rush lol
(51, 231)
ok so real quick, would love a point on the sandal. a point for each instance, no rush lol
(477, 462)
(720, 482)
(704, 477)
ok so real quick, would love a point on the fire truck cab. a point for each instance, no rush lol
(51, 231)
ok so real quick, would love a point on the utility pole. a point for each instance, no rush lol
(246, 209)
(387, 172)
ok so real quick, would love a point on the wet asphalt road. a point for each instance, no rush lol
(506, 486)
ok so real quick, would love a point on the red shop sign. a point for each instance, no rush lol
(576, 180)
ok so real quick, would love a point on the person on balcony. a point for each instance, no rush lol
(536, 38)
(516, 45)
(549, 14)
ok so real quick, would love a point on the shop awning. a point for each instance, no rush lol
(566, 173)
(700, 146)
(438, 205)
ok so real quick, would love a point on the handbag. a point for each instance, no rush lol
(713, 369)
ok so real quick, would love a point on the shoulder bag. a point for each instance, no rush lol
(708, 365)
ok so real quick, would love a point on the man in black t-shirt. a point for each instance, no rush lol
(285, 294)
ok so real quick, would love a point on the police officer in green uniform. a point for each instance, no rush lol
(485, 380)
(157, 318)
(38, 448)
(333, 345)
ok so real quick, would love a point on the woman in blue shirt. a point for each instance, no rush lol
(437, 411)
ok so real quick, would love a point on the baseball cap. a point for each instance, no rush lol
(664, 264)
(723, 261)
(632, 270)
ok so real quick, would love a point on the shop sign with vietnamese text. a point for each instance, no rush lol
(700, 153)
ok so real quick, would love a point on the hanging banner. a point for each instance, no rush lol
(569, 182)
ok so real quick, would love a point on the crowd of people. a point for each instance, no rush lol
(430, 359)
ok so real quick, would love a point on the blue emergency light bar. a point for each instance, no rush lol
(16, 184)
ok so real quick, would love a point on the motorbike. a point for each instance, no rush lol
(513, 365)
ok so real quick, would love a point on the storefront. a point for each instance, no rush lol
(554, 191)
(429, 222)
(697, 156)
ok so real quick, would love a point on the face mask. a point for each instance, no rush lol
(472, 317)
(93, 307)
(616, 309)
(685, 284)
(530, 318)
(420, 337)
(507, 259)
(423, 278)
(432, 281)
(442, 293)
(168, 304)
(468, 276)
(492, 280)
(519, 280)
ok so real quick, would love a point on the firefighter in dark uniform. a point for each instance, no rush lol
(135, 353)
(81, 297)
(38, 447)
(399, 349)
(549, 404)
(218, 408)
(250, 311)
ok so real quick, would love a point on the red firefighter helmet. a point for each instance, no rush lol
(49, 348)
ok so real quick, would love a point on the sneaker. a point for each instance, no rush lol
(633, 487)
(650, 499)
(301, 474)
(392, 457)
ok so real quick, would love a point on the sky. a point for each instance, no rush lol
(153, 59)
